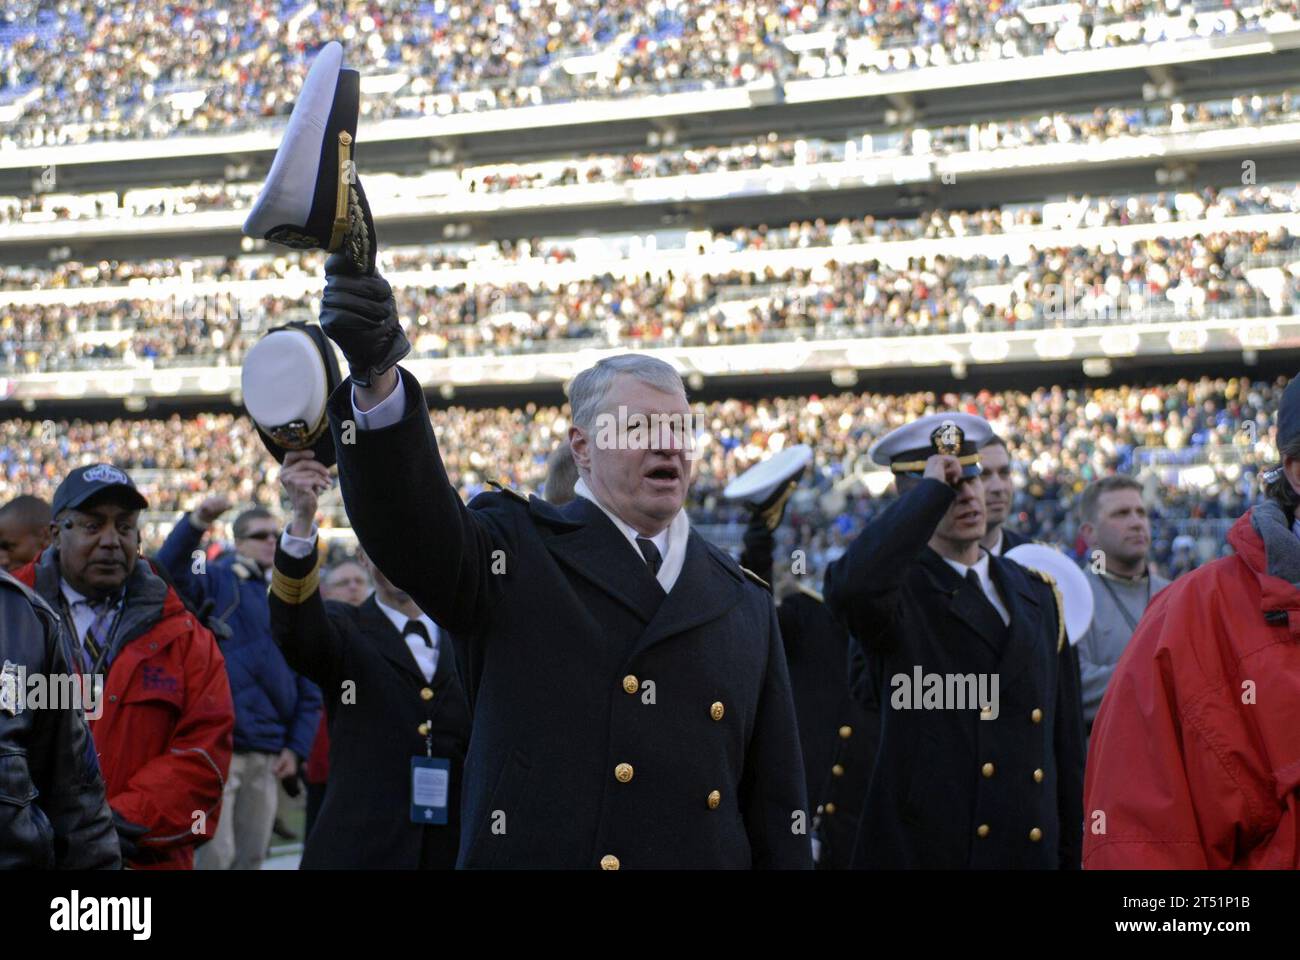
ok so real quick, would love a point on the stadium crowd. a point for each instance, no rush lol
(1245, 111)
(1157, 280)
(77, 75)
(1060, 439)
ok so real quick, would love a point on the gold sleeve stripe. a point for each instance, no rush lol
(1060, 616)
(296, 590)
(909, 465)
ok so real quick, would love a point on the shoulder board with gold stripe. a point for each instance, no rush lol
(804, 588)
(1050, 580)
(756, 578)
(508, 491)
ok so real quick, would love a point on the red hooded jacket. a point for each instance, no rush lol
(166, 730)
(1195, 755)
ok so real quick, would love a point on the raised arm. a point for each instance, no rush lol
(177, 552)
(862, 586)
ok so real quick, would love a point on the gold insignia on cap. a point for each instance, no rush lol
(948, 438)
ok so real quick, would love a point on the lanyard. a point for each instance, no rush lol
(1124, 611)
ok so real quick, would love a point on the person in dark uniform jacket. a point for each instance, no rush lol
(838, 730)
(53, 811)
(993, 783)
(391, 691)
(631, 703)
(995, 471)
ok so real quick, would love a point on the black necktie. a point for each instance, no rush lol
(417, 627)
(651, 553)
(973, 579)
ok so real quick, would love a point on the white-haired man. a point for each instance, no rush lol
(630, 695)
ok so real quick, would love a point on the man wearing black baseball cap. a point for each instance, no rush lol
(162, 719)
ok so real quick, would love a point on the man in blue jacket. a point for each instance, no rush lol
(276, 710)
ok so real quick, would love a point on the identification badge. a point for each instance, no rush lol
(430, 786)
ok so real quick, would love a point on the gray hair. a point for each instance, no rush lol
(589, 388)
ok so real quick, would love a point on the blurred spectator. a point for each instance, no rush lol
(24, 531)
(163, 717)
(276, 710)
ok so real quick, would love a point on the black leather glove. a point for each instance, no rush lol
(127, 835)
(360, 315)
(772, 510)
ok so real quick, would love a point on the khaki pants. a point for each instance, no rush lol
(247, 816)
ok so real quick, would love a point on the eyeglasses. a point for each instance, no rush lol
(93, 527)
(261, 535)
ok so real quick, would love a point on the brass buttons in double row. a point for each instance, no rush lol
(623, 773)
(1038, 776)
(715, 799)
(1036, 715)
(423, 729)
(609, 862)
(717, 710)
(426, 694)
(845, 732)
(837, 770)
(982, 830)
(830, 809)
(631, 684)
(1035, 834)
(987, 770)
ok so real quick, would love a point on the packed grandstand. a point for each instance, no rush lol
(1076, 219)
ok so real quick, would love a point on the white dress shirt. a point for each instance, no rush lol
(996, 549)
(981, 569)
(425, 657)
(671, 541)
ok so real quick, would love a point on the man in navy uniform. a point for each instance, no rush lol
(392, 694)
(994, 783)
(999, 495)
(838, 728)
(631, 705)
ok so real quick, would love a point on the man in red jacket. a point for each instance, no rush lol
(163, 722)
(1195, 758)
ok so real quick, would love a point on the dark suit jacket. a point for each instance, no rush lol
(365, 819)
(950, 789)
(578, 665)
(1011, 539)
(838, 731)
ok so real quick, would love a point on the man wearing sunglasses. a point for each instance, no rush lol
(160, 708)
(276, 709)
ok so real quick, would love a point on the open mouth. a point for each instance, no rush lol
(664, 475)
(970, 516)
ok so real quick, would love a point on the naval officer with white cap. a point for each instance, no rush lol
(980, 761)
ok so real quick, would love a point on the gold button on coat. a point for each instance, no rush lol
(717, 710)
(623, 772)
(631, 684)
(426, 694)
(837, 770)
(1036, 716)
(982, 830)
(424, 729)
(845, 732)
(1038, 776)
(715, 799)
(830, 809)
(609, 862)
(1035, 834)
(987, 769)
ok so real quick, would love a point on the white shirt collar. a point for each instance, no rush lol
(671, 540)
(980, 566)
(399, 619)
